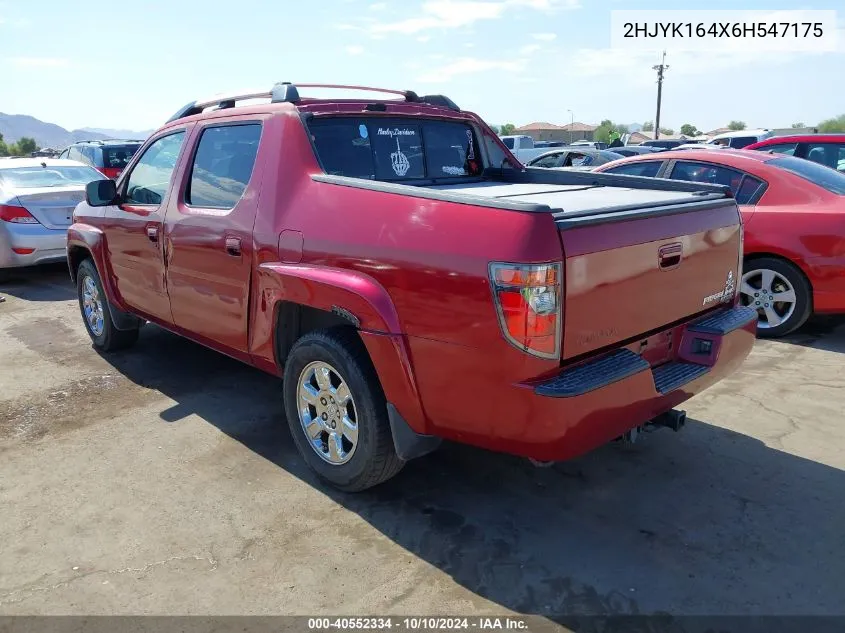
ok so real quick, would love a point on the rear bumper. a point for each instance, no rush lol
(48, 245)
(603, 398)
(471, 397)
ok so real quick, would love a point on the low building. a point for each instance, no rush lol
(544, 131)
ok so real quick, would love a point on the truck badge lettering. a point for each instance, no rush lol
(399, 161)
(725, 294)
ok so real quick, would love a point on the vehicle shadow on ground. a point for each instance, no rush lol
(820, 332)
(50, 282)
(705, 521)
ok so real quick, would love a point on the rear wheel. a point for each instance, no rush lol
(336, 411)
(95, 312)
(779, 292)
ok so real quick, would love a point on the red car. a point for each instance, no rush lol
(793, 212)
(825, 149)
(410, 280)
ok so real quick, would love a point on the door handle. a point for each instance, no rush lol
(233, 246)
(669, 256)
(152, 233)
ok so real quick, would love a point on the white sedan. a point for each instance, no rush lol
(37, 199)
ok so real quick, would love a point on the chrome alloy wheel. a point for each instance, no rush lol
(92, 306)
(327, 412)
(771, 294)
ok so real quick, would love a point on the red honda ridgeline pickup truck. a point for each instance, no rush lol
(410, 280)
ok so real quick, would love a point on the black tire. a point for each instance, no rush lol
(110, 339)
(374, 459)
(803, 295)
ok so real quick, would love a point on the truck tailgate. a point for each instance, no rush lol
(636, 259)
(630, 277)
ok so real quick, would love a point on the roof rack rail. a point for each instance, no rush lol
(286, 92)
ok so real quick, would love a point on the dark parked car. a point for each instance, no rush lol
(107, 157)
(664, 143)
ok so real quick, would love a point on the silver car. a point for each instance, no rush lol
(37, 199)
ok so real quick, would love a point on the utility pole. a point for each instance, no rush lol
(659, 68)
(571, 124)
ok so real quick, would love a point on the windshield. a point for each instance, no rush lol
(117, 156)
(394, 149)
(820, 175)
(50, 176)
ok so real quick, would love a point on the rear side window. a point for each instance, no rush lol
(828, 154)
(780, 148)
(391, 150)
(646, 168)
(833, 181)
(223, 165)
(741, 141)
(117, 156)
(508, 142)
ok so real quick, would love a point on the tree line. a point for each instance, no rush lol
(24, 147)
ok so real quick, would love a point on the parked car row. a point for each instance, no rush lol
(792, 213)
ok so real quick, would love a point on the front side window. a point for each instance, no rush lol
(391, 149)
(576, 159)
(150, 179)
(223, 165)
(645, 168)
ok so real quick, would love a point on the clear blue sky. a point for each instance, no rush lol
(131, 64)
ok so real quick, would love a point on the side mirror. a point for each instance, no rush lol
(101, 193)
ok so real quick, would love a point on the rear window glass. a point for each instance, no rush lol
(742, 141)
(508, 142)
(645, 168)
(50, 176)
(117, 156)
(825, 177)
(391, 149)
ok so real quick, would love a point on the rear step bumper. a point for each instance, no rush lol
(668, 377)
(600, 400)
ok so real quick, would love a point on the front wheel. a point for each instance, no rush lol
(336, 411)
(95, 312)
(779, 292)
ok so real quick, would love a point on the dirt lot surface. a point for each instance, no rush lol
(163, 480)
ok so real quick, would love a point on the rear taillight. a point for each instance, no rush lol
(528, 303)
(17, 215)
(110, 172)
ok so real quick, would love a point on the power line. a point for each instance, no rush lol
(659, 68)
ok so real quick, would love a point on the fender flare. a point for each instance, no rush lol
(91, 239)
(366, 304)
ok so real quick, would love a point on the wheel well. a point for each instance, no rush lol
(294, 320)
(75, 256)
(755, 256)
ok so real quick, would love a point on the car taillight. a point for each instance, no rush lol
(18, 215)
(528, 304)
(110, 172)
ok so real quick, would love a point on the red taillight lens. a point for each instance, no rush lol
(529, 307)
(17, 215)
(111, 172)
